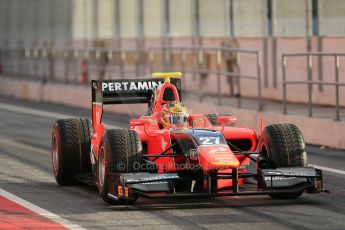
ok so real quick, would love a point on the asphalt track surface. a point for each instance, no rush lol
(25, 171)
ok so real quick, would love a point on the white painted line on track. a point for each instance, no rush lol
(41, 113)
(45, 213)
(6, 141)
(328, 169)
(34, 112)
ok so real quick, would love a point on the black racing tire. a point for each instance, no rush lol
(120, 152)
(85, 135)
(71, 140)
(282, 145)
(212, 117)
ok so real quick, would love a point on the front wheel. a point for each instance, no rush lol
(120, 152)
(282, 145)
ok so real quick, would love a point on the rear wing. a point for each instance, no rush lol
(129, 91)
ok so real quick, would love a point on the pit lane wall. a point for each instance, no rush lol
(316, 131)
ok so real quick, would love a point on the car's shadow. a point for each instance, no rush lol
(58, 199)
(203, 203)
(211, 202)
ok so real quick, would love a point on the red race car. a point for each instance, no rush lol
(170, 152)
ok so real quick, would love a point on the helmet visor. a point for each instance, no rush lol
(178, 119)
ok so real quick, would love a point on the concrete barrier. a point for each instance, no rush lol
(316, 131)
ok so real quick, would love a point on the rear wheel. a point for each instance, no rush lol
(120, 152)
(282, 145)
(70, 149)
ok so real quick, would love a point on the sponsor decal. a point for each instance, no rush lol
(163, 143)
(118, 86)
(273, 173)
(92, 155)
(290, 173)
(275, 178)
(178, 84)
(225, 163)
(193, 154)
(150, 179)
(94, 85)
(153, 122)
(199, 120)
(218, 150)
(157, 182)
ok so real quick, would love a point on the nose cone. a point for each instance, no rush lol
(217, 157)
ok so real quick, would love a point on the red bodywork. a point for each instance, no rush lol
(156, 139)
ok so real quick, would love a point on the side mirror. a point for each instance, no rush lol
(145, 123)
(226, 120)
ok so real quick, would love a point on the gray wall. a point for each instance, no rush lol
(60, 22)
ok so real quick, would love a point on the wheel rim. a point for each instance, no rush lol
(55, 154)
(101, 167)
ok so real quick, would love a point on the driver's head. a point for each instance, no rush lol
(174, 114)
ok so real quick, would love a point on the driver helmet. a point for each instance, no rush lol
(174, 114)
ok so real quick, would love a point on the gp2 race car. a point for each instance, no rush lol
(170, 152)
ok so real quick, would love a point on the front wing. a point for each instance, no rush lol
(128, 186)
